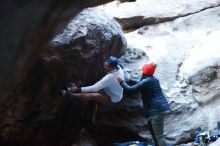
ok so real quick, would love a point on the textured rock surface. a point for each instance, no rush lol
(216, 143)
(35, 109)
(27, 27)
(156, 8)
(186, 51)
(87, 40)
(141, 13)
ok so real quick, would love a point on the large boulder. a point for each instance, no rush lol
(82, 47)
(34, 113)
(27, 28)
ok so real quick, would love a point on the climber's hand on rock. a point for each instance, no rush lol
(74, 89)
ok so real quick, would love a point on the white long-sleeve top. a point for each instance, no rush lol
(109, 84)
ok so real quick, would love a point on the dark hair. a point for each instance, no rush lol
(113, 61)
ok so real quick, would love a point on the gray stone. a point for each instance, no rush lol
(36, 109)
(157, 8)
(186, 51)
(26, 29)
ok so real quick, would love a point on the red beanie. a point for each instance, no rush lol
(148, 69)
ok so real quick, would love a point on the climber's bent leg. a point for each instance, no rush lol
(101, 97)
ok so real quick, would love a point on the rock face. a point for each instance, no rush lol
(156, 8)
(216, 143)
(186, 50)
(34, 113)
(141, 13)
(188, 69)
(191, 81)
(87, 41)
(27, 27)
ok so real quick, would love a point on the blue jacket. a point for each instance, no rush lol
(154, 101)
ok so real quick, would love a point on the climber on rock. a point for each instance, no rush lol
(105, 91)
(154, 102)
